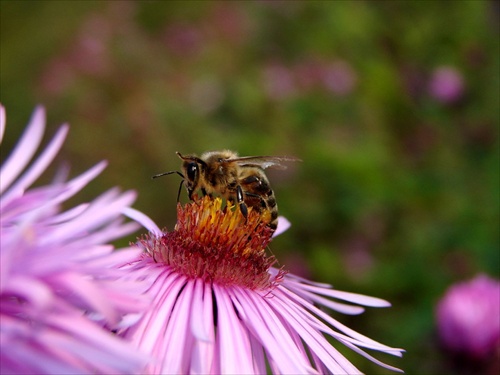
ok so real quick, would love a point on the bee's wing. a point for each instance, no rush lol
(264, 161)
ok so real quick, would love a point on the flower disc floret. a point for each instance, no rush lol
(216, 243)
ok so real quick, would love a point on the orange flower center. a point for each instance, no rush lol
(218, 245)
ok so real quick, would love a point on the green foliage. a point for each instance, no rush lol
(397, 194)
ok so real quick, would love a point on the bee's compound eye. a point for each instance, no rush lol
(191, 171)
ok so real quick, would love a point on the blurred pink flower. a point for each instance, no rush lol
(230, 22)
(468, 318)
(309, 73)
(184, 39)
(87, 54)
(220, 307)
(339, 77)
(279, 81)
(446, 85)
(58, 282)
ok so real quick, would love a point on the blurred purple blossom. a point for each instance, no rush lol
(59, 283)
(230, 22)
(87, 54)
(446, 85)
(339, 78)
(183, 39)
(278, 80)
(468, 318)
(282, 81)
(309, 73)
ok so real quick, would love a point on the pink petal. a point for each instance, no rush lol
(202, 306)
(90, 293)
(235, 355)
(100, 210)
(103, 256)
(153, 325)
(291, 278)
(177, 335)
(335, 361)
(142, 219)
(361, 339)
(28, 357)
(50, 195)
(283, 225)
(202, 326)
(35, 292)
(78, 183)
(263, 323)
(259, 359)
(346, 296)
(24, 150)
(371, 358)
(340, 307)
(69, 214)
(2, 122)
(114, 230)
(86, 337)
(40, 164)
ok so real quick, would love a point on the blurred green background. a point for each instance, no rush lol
(393, 106)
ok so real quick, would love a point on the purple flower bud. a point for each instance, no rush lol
(468, 317)
(446, 85)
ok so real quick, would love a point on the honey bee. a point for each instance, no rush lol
(239, 180)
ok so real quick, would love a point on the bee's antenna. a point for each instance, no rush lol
(171, 172)
(167, 173)
(191, 158)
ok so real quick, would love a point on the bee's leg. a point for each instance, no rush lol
(191, 194)
(203, 191)
(179, 191)
(241, 202)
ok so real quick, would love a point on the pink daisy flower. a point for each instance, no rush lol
(58, 282)
(219, 305)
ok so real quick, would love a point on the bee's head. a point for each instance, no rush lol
(191, 169)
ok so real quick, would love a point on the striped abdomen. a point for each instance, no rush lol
(258, 194)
